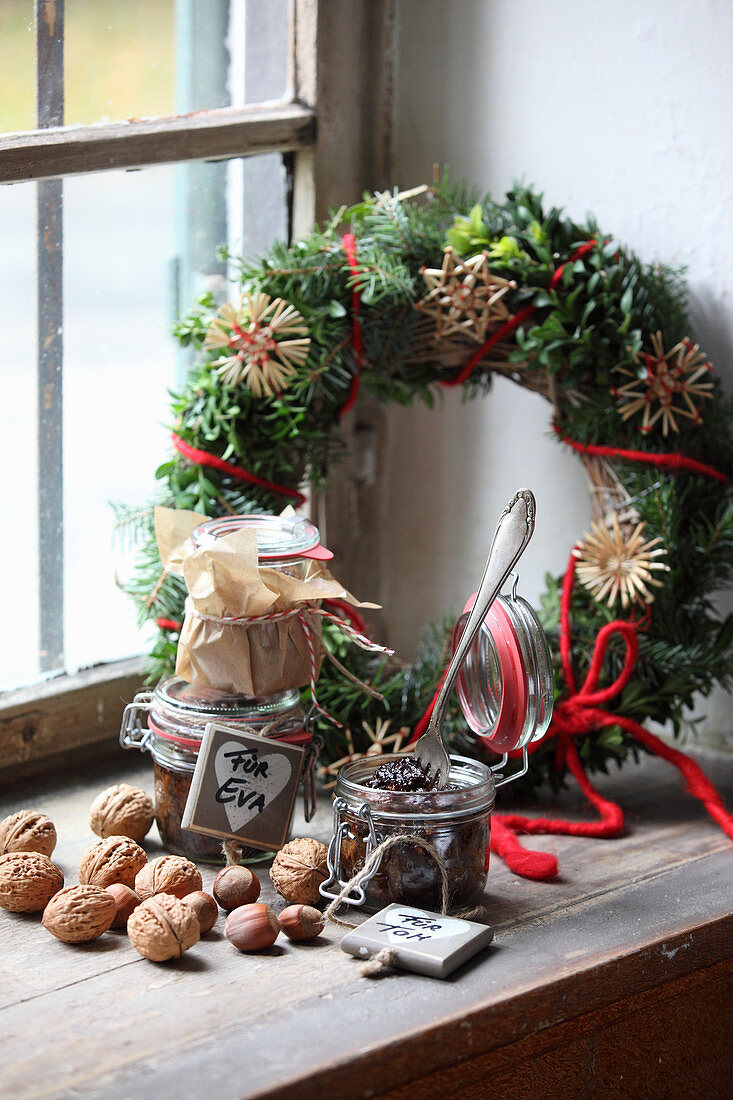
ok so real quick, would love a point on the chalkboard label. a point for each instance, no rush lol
(244, 787)
(425, 942)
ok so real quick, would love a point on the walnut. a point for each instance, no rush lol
(168, 875)
(163, 928)
(27, 831)
(298, 870)
(115, 859)
(28, 881)
(79, 913)
(122, 810)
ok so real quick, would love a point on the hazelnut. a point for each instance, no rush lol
(125, 899)
(114, 859)
(205, 908)
(163, 928)
(235, 886)
(79, 913)
(27, 831)
(301, 922)
(28, 881)
(122, 810)
(298, 870)
(168, 875)
(252, 927)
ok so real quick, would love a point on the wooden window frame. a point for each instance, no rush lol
(337, 130)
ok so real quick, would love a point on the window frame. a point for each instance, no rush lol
(335, 130)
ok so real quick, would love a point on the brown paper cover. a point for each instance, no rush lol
(224, 581)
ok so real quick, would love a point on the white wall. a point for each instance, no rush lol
(620, 107)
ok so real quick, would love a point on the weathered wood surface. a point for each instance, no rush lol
(587, 979)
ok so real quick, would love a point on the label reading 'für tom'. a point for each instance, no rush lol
(421, 941)
(244, 787)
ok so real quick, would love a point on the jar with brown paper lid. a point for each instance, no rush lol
(277, 644)
(170, 722)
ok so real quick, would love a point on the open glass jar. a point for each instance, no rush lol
(169, 723)
(455, 821)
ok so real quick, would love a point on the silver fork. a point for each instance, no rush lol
(513, 532)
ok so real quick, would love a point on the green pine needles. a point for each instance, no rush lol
(591, 311)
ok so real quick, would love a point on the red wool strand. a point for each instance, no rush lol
(664, 461)
(203, 458)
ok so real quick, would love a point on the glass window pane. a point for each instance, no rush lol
(126, 238)
(119, 59)
(17, 66)
(18, 498)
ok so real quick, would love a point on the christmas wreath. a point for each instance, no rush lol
(439, 288)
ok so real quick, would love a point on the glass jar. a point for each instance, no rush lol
(177, 714)
(456, 821)
(505, 685)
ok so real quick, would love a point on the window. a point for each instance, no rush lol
(164, 127)
(118, 254)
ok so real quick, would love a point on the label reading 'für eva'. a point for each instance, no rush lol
(244, 787)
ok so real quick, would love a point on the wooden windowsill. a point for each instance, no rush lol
(612, 980)
(65, 719)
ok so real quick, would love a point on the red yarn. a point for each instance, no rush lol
(349, 243)
(575, 716)
(535, 865)
(168, 624)
(203, 458)
(500, 333)
(667, 461)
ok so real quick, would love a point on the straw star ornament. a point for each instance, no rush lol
(464, 298)
(671, 381)
(265, 341)
(614, 566)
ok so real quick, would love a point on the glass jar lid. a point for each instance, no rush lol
(195, 701)
(505, 686)
(277, 536)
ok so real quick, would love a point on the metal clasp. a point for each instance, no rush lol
(499, 779)
(133, 734)
(334, 884)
